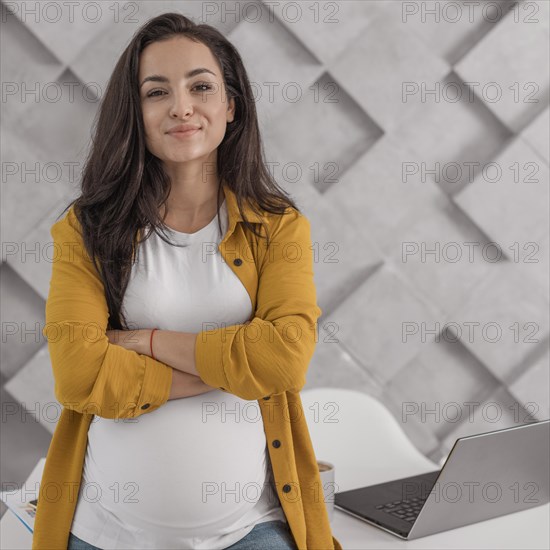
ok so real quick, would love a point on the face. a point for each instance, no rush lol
(181, 84)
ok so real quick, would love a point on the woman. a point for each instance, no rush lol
(183, 270)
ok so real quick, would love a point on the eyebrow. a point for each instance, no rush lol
(190, 74)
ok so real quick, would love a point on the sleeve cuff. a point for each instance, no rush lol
(157, 383)
(209, 359)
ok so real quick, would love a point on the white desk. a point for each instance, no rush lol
(528, 529)
(13, 534)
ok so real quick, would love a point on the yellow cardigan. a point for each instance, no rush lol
(265, 359)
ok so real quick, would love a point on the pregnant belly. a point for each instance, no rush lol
(193, 462)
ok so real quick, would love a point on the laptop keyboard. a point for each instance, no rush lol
(406, 509)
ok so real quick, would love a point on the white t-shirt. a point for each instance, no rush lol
(196, 472)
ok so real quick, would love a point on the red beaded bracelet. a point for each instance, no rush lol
(151, 342)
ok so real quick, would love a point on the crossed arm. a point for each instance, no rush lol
(175, 349)
(112, 374)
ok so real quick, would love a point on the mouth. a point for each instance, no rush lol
(184, 133)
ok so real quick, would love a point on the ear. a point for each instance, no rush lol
(231, 110)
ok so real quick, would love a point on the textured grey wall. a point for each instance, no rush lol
(414, 136)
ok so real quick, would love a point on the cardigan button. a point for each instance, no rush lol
(237, 261)
(276, 443)
(267, 397)
(286, 488)
(146, 406)
(222, 388)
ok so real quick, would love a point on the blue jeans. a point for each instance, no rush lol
(274, 535)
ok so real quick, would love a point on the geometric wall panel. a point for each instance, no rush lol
(33, 387)
(336, 25)
(374, 196)
(451, 138)
(510, 66)
(380, 332)
(433, 390)
(443, 255)
(341, 262)
(504, 321)
(33, 260)
(22, 322)
(291, 70)
(449, 29)
(537, 135)
(374, 70)
(509, 201)
(346, 130)
(531, 387)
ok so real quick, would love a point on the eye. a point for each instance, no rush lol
(204, 85)
(154, 93)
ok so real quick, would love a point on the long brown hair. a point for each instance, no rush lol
(124, 185)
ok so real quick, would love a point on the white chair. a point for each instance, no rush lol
(356, 433)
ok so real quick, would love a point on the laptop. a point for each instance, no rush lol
(484, 476)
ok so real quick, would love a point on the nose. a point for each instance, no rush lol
(182, 105)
